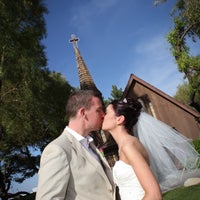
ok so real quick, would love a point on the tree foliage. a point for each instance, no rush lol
(116, 93)
(186, 30)
(183, 93)
(32, 99)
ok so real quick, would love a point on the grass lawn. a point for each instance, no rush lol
(182, 193)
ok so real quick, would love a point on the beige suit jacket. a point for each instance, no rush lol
(68, 171)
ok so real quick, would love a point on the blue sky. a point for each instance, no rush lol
(117, 38)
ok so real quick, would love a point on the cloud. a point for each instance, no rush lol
(153, 63)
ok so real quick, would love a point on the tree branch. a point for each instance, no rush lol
(186, 31)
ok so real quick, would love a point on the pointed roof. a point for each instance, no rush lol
(86, 81)
(134, 79)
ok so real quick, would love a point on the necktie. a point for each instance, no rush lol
(85, 142)
(94, 149)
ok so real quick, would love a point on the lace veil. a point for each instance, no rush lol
(173, 157)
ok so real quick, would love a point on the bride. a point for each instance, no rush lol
(132, 172)
(153, 159)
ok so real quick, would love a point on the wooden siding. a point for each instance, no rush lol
(166, 108)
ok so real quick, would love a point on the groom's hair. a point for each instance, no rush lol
(80, 98)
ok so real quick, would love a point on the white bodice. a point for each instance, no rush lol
(126, 180)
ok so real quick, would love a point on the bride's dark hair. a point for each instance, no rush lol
(130, 109)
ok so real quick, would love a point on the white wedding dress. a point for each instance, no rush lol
(126, 180)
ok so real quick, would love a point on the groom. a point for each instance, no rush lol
(68, 170)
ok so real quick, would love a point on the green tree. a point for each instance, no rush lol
(186, 29)
(183, 93)
(29, 126)
(32, 99)
(116, 93)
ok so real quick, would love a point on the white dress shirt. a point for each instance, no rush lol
(85, 141)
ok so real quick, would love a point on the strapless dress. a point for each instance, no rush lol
(125, 178)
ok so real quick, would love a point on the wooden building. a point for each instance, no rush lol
(163, 107)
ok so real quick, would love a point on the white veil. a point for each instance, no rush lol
(173, 157)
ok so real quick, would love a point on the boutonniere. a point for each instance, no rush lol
(101, 151)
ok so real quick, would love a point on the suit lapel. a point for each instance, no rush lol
(85, 154)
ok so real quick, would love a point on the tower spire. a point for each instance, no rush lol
(86, 81)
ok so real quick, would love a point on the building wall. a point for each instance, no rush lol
(166, 111)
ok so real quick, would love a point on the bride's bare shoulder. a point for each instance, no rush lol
(129, 143)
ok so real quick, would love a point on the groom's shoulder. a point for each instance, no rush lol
(63, 138)
(62, 142)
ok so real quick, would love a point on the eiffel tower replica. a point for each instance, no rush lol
(101, 139)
